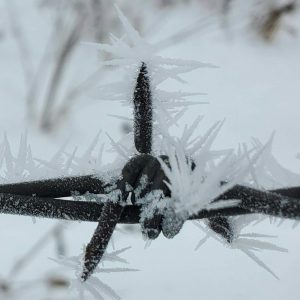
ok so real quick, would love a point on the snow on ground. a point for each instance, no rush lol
(256, 88)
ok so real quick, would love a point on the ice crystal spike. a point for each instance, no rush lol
(142, 101)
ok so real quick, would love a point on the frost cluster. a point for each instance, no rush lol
(94, 286)
(24, 166)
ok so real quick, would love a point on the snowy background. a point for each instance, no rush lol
(255, 88)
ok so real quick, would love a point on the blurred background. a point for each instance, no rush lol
(49, 87)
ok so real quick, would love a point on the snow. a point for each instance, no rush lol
(256, 88)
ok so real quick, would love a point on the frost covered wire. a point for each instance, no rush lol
(181, 184)
(110, 216)
(142, 102)
(284, 203)
(112, 210)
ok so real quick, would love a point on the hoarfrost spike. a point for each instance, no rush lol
(142, 101)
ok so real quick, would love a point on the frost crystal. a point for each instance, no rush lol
(248, 243)
(25, 167)
(132, 50)
(94, 286)
(194, 188)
